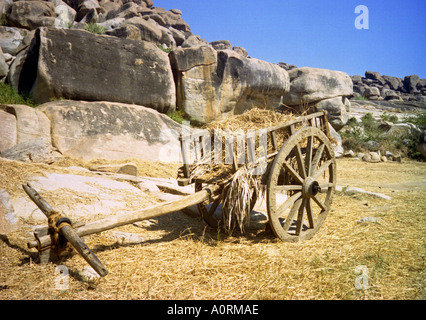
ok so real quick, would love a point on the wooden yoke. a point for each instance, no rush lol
(61, 226)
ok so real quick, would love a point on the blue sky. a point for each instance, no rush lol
(317, 33)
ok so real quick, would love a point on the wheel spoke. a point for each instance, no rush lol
(300, 164)
(289, 219)
(325, 186)
(322, 169)
(308, 158)
(319, 203)
(317, 157)
(293, 172)
(309, 213)
(214, 206)
(293, 187)
(299, 221)
(289, 202)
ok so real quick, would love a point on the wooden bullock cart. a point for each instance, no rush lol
(300, 181)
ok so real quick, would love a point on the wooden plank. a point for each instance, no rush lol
(274, 140)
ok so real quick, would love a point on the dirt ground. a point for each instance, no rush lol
(180, 258)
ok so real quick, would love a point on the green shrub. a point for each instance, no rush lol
(95, 28)
(179, 116)
(358, 135)
(389, 118)
(3, 20)
(419, 120)
(8, 95)
(352, 122)
(166, 50)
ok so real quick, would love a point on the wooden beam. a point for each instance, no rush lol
(139, 215)
(62, 224)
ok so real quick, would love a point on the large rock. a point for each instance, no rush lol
(4, 68)
(106, 130)
(402, 130)
(31, 14)
(338, 110)
(30, 124)
(410, 83)
(82, 197)
(149, 32)
(216, 84)
(394, 83)
(372, 93)
(312, 85)
(39, 151)
(76, 64)
(11, 39)
(7, 130)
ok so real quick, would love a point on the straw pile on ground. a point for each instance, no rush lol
(241, 185)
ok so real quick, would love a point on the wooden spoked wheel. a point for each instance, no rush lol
(211, 211)
(300, 185)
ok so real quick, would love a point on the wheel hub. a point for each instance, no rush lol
(311, 187)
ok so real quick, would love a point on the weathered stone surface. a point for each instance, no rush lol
(178, 36)
(371, 92)
(221, 45)
(64, 14)
(11, 38)
(402, 130)
(184, 59)
(31, 14)
(390, 95)
(126, 31)
(193, 41)
(394, 83)
(99, 198)
(373, 75)
(106, 130)
(410, 83)
(38, 150)
(211, 86)
(241, 51)
(7, 130)
(76, 64)
(126, 168)
(338, 109)
(31, 124)
(311, 85)
(4, 68)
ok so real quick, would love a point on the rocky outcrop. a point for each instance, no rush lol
(214, 84)
(377, 87)
(322, 89)
(31, 14)
(106, 130)
(76, 64)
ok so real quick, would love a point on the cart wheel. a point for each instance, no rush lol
(211, 213)
(301, 185)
